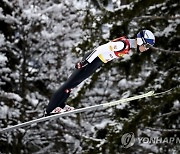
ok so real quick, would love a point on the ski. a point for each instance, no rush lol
(85, 109)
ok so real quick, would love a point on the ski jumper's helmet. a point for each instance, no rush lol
(145, 37)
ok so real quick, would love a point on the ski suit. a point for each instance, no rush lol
(102, 54)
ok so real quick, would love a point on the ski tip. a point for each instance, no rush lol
(151, 92)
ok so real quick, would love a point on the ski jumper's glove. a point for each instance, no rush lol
(81, 64)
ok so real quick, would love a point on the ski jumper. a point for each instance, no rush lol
(102, 54)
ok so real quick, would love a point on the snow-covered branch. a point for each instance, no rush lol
(12, 96)
(163, 130)
(157, 17)
(170, 113)
(166, 51)
(8, 19)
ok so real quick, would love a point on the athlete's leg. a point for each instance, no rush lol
(60, 96)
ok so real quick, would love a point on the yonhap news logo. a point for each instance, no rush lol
(129, 139)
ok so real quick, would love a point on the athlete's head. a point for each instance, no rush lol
(145, 39)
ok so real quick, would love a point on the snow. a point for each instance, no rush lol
(125, 84)
(103, 124)
(4, 111)
(8, 3)
(106, 30)
(8, 19)
(171, 28)
(157, 6)
(13, 96)
(3, 59)
(176, 105)
(152, 147)
(32, 99)
(168, 30)
(2, 40)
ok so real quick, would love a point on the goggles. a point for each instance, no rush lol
(141, 41)
(147, 46)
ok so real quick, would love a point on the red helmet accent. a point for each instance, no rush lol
(126, 48)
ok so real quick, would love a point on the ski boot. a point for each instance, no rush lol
(68, 108)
